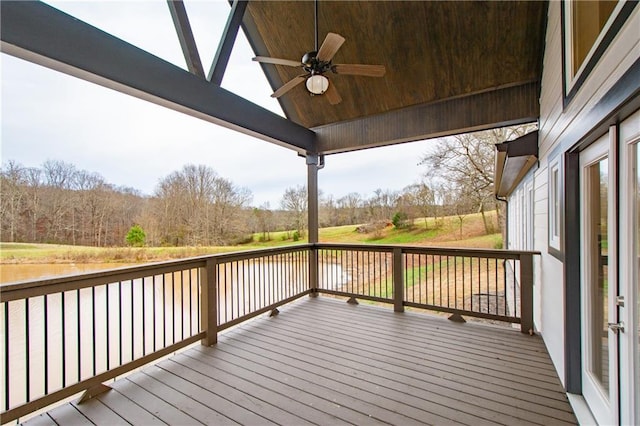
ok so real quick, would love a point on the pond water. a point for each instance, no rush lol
(20, 272)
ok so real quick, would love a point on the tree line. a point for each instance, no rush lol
(59, 203)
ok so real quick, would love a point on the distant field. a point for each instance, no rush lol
(54, 253)
(447, 235)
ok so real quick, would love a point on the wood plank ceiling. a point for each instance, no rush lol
(433, 52)
(451, 67)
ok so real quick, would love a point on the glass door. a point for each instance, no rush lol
(599, 289)
(629, 303)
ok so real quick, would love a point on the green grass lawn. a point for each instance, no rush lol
(54, 253)
(447, 235)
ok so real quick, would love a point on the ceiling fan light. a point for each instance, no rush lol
(317, 84)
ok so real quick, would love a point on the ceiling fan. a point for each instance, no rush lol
(317, 63)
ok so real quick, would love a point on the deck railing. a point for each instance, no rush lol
(65, 335)
(251, 283)
(490, 284)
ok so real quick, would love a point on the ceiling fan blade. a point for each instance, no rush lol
(277, 61)
(332, 94)
(330, 46)
(359, 69)
(289, 85)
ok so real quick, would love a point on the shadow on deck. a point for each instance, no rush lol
(362, 365)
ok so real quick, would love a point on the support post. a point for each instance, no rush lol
(526, 293)
(208, 302)
(312, 219)
(398, 281)
(312, 196)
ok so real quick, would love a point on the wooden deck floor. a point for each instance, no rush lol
(322, 361)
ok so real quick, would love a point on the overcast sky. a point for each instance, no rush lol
(47, 115)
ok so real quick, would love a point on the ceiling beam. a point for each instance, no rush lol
(185, 35)
(221, 58)
(273, 78)
(500, 107)
(38, 33)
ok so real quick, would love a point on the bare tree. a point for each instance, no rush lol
(199, 207)
(59, 203)
(59, 179)
(90, 208)
(467, 161)
(329, 214)
(294, 201)
(423, 198)
(59, 174)
(264, 221)
(228, 218)
(381, 205)
(351, 206)
(460, 204)
(12, 200)
(33, 210)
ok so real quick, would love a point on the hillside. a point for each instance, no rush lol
(447, 235)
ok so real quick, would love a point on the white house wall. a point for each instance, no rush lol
(553, 125)
(621, 54)
(540, 237)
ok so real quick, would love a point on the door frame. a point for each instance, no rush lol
(604, 408)
(629, 146)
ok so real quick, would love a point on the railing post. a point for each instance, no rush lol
(313, 270)
(209, 302)
(398, 281)
(526, 293)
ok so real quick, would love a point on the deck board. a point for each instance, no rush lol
(260, 376)
(97, 412)
(427, 386)
(127, 409)
(322, 361)
(158, 407)
(398, 401)
(68, 415)
(242, 404)
(42, 420)
(439, 361)
(249, 382)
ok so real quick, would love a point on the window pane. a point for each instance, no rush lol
(555, 212)
(598, 283)
(589, 18)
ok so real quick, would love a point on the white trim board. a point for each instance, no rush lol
(581, 409)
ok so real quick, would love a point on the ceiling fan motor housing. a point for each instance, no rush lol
(313, 65)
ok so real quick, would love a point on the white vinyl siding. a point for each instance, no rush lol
(555, 122)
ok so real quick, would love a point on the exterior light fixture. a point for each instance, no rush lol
(317, 84)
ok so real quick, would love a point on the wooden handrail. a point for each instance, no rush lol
(40, 287)
(451, 251)
(524, 258)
